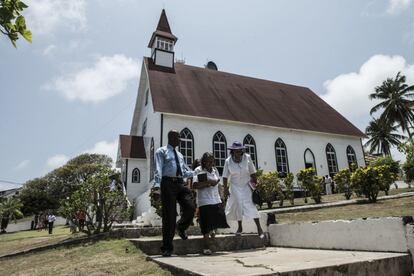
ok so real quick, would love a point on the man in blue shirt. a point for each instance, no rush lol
(170, 170)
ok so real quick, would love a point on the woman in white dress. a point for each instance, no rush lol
(238, 171)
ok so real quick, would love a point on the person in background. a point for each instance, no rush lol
(208, 199)
(170, 170)
(36, 221)
(51, 219)
(239, 171)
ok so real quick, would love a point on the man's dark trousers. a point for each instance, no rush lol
(50, 227)
(173, 191)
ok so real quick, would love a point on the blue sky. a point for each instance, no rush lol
(73, 89)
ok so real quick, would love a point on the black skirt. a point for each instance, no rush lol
(212, 217)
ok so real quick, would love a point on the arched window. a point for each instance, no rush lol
(282, 165)
(250, 145)
(331, 158)
(135, 176)
(219, 150)
(309, 160)
(351, 157)
(187, 146)
(152, 160)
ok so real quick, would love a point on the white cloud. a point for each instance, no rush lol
(348, 93)
(57, 161)
(108, 77)
(44, 16)
(104, 147)
(22, 165)
(397, 6)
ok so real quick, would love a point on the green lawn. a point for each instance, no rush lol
(107, 257)
(384, 208)
(23, 240)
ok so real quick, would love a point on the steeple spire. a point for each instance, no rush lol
(162, 43)
(163, 23)
(163, 30)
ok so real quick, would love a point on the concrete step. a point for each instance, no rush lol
(137, 232)
(289, 262)
(195, 244)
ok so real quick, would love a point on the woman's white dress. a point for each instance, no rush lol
(239, 204)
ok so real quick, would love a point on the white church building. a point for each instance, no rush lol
(285, 127)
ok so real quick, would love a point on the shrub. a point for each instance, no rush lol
(269, 187)
(311, 183)
(389, 173)
(365, 181)
(343, 182)
(288, 182)
(408, 169)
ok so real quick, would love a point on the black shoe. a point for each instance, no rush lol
(182, 234)
(166, 253)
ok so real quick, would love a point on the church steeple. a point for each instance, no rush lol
(162, 43)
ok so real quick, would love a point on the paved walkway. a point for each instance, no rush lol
(331, 204)
(288, 261)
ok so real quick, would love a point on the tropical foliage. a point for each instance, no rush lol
(101, 203)
(269, 188)
(311, 182)
(343, 182)
(288, 183)
(9, 210)
(12, 22)
(395, 96)
(382, 136)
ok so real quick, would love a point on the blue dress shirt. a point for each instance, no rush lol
(165, 164)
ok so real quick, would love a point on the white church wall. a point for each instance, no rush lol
(265, 137)
(135, 190)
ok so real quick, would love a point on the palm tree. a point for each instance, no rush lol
(395, 94)
(382, 136)
(9, 210)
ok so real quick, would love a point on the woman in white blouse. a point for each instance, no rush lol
(206, 179)
(239, 170)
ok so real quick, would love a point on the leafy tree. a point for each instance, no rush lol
(12, 23)
(9, 210)
(47, 192)
(36, 197)
(395, 95)
(101, 204)
(382, 136)
(343, 182)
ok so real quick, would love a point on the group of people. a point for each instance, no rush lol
(328, 185)
(170, 172)
(77, 222)
(43, 221)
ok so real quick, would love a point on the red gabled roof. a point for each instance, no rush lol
(132, 146)
(201, 92)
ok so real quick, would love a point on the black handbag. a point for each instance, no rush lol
(257, 199)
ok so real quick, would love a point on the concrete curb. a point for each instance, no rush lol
(332, 204)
